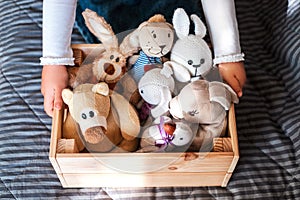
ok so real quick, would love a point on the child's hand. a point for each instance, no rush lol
(234, 74)
(54, 80)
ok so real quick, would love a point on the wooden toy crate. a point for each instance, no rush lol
(181, 169)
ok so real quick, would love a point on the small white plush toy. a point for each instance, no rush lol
(156, 87)
(191, 57)
(166, 135)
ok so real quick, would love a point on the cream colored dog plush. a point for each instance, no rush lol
(107, 121)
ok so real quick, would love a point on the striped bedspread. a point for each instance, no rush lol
(268, 115)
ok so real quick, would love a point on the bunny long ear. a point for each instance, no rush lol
(200, 29)
(130, 44)
(181, 23)
(101, 29)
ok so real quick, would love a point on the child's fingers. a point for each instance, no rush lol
(234, 84)
(237, 86)
(48, 102)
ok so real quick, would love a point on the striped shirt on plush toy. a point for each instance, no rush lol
(143, 64)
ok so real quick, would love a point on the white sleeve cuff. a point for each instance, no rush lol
(229, 58)
(56, 61)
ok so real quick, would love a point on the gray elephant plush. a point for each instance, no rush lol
(204, 104)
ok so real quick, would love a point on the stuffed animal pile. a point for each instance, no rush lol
(165, 103)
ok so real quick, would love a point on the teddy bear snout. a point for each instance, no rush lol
(109, 68)
(94, 135)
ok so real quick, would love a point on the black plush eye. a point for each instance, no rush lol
(154, 35)
(190, 62)
(169, 35)
(92, 114)
(181, 138)
(193, 113)
(142, 91)
(83, 116)
(117, 59)
(111, 57)
(202, 61)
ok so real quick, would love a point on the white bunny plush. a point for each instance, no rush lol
(191, 57)
(156, 87)
(110, 65)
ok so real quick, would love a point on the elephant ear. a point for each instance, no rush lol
(222, 94)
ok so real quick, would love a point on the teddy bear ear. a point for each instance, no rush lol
(67, 96)
(101, 88)
(181, 23)
(200, 29)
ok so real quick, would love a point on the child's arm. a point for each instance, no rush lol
(222, 24)
(58, 20)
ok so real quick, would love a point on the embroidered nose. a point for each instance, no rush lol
(162, 47)
(196, 66)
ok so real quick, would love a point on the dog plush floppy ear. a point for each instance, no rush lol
(67, 96)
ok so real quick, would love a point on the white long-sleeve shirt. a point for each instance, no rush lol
(59, 18)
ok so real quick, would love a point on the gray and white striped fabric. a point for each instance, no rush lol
(268, 116)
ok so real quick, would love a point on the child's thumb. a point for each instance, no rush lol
(58, 101)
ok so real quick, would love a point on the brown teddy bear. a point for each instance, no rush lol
(106, 120)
